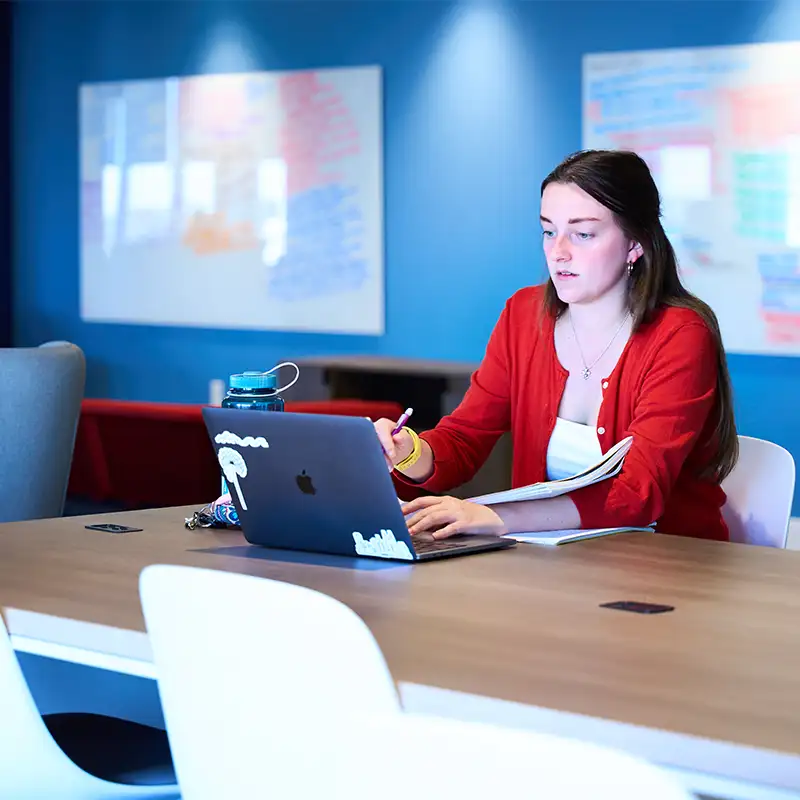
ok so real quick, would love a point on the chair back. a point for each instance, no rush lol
(40, 400)
(242, 660)
(760, 491)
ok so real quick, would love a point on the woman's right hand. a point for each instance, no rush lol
(395, 448)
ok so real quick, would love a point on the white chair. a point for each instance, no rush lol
(32, 764)
(274, 690)
(238, 658)
(760, 490)
(406, 756)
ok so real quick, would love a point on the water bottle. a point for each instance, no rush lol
(254, 391)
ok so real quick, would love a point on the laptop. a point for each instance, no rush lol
(319, 483)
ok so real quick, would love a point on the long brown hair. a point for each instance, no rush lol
(621, 181)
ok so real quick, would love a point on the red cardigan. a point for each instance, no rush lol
(661, 392)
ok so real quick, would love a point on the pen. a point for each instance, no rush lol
(402, 421)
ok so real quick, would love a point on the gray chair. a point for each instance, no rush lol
(41, 389)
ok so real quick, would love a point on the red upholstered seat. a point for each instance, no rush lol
(149, 455)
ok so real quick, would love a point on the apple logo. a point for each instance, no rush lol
(305, 483)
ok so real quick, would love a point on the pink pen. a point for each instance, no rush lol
(402, 421)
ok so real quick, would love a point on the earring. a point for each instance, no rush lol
(630, 268)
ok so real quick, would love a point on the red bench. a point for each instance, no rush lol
(149, 455)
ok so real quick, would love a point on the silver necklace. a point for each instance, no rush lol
(587, 368)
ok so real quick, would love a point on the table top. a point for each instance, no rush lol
(523, 625)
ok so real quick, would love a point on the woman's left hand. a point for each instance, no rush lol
(446, 516)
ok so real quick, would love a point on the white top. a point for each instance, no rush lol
(573, 447)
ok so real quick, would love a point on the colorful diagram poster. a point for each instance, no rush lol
(720, 129)
(234, 201)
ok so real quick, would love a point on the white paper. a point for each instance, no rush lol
(574, 535)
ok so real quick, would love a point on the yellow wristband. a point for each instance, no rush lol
(415, 453)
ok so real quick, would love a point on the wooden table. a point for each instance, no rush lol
(515, 637)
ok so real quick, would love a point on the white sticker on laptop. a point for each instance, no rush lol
(226, 437)
(382, 544)
(233, 467)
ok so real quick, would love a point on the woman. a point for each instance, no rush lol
(612, 345)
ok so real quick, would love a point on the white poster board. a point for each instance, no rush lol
(249, 200)
(720, 129)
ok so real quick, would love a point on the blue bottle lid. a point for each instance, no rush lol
(254, 380)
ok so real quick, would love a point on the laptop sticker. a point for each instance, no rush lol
(226, 437)
(232, 461)
(234, 467)
(383, 544)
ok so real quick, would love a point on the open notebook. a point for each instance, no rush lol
(608, 466)
(561, 537)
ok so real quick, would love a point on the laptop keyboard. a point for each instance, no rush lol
(432, 545)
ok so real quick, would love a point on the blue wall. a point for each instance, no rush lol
(481, 100)
(6, 257)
